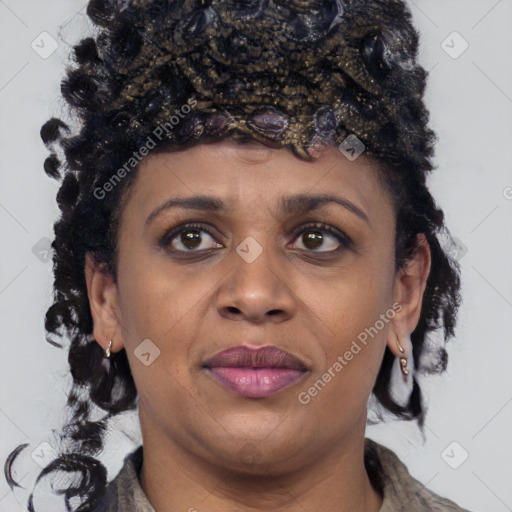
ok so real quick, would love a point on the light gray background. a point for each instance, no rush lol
(470, 98)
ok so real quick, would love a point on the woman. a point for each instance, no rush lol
(247, 251)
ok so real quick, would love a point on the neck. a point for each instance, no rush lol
(175, 479)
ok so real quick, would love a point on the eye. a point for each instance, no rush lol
(312, 237)
(189, 238)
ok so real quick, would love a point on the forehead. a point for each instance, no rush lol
(253, 177)
(208, 165)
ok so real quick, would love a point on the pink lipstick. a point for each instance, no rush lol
(255, 373)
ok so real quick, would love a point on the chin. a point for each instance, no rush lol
(261, 450)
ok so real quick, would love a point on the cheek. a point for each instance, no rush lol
(161, 302)
(356, 309)
(163, 305)
(356, 298)
(339, 390)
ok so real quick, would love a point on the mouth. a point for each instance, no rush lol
(255, 373)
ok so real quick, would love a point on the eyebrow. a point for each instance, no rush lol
(296, 204)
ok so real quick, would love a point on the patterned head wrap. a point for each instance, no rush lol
(303, 74)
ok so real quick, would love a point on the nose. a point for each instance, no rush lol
(258, 291)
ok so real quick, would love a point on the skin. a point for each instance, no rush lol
(206, 448)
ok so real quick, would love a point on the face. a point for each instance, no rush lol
(264, 262)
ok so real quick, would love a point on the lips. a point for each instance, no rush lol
(255, 373)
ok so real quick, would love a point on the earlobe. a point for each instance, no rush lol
(102, 294)
(399, 340)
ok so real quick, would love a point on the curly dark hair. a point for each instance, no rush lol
(125, 81)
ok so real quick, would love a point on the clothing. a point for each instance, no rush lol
(401, 492)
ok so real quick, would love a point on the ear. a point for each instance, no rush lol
(103, 301)
(410, 284)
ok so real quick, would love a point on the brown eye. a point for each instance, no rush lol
(189, 238)
(192, 239)
(312, 239)
(321, 238)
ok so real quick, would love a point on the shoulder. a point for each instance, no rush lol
(401, 491)
(125, 492)
(108, 502)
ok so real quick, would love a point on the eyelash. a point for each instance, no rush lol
(344, 240)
